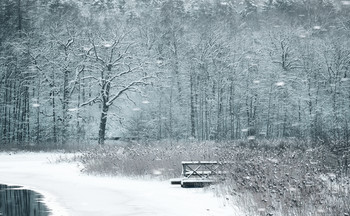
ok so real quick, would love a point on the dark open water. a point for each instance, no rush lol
(15, 201)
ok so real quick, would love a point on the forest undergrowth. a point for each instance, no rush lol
(281, 177)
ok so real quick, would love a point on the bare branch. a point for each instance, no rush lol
(91, 101)
(124, 73)
(112, 51)
(128, 87)
(75, 81)
(89, 77)
(95, 51)
(122, 55)
(69, 43)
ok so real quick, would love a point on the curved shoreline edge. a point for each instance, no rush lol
(47, 199)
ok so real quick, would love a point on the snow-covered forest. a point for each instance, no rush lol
(260, 85)
(74, 70)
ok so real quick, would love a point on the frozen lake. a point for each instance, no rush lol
(16, 201)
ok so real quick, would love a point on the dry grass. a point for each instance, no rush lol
(286, 179)
(266, 178)
(159, 159)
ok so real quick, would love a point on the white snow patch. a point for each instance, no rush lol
(292, 189)
(36, 105)
(107, 45)
(73, 109)
(157, 172)
(86, 48)
(261, 209)
(345, 2)
(251, 137)
(321, 211)
(272, 160)
(67, 191)
(280, 83)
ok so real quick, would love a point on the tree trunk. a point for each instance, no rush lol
(55, 139)
(103, 123)
(171, 112)
(193, 125)
(160, 131)
(232, 110)
(268, 124)
(219, 111)
(103, 120)
(19, 14)
(38, 112)
(65, 108)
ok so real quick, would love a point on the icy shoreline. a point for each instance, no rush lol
(67, 191)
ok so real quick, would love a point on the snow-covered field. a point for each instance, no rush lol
(69, 192)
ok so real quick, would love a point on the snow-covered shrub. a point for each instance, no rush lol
(158, 159)
(282, 178)
(287, 179)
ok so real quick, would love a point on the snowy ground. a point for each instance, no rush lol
(68, 192)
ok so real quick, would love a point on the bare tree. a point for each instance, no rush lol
(117, 70)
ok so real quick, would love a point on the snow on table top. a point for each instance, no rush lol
(68, 192)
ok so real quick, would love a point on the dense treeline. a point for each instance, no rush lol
(206, 70)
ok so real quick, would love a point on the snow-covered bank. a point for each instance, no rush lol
(68, 192)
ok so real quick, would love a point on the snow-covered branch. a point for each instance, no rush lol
(129, 70)
(141, 81)
(97, 57)
(91, 101)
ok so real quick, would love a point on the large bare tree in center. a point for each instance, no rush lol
(116, 65)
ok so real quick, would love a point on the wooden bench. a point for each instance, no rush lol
(199, 173)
